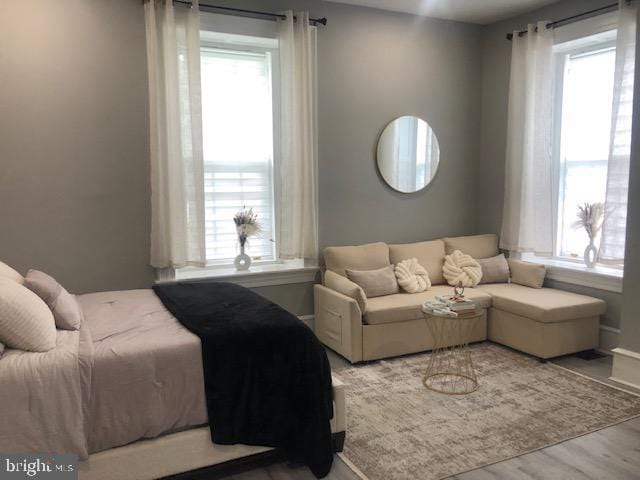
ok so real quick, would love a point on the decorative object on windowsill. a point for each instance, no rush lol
(246, 226)
(590, 217)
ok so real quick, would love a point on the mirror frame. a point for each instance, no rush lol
(378, 156)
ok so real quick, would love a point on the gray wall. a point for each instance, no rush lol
(496, 61)
(375, 65)
(74, 184)
(74, 153)
(74, 150)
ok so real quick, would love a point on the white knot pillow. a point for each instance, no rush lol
(461, 269)
(412, 276)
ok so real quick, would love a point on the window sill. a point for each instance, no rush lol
(598, 277)
(265, 275)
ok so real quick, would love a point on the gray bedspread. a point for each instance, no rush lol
(131, 372)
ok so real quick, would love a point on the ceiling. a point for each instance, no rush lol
(472, 11)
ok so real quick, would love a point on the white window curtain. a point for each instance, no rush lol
(613, 231)
(298, 202)
(527, 224)
(177, 178)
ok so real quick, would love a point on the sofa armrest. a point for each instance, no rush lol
(346, 287)
(338, 322)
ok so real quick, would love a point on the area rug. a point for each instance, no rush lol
(397, 429)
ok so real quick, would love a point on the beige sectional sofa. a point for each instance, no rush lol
(543, 322)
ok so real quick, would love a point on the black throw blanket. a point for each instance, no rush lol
(267, 377)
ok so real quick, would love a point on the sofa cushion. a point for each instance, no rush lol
(494, 269)
(478, 246)
(402, 307)
(528, 274)
(362, 257)
(375, 283)
(461, 269)
(542, 304)
(429, 254)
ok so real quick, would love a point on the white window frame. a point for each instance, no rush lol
(558, 173)
(567, 269)
(259, 45)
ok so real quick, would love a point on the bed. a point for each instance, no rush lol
(125, 392)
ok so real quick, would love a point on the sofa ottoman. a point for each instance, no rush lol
(544, 322)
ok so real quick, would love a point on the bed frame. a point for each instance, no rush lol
(191, 451)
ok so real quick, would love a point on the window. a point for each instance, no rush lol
(238, 117)
(585, 125)
(582, 131)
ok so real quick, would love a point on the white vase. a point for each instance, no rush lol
(590, 254)
(242, 261)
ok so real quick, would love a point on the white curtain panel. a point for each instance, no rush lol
(177, 178)
(613, 231)
(527, 224)
(298, 202)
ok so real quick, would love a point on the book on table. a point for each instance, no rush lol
(460, 305)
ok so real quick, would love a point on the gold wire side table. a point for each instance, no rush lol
(450, 368)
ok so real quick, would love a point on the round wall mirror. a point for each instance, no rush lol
(408, 154)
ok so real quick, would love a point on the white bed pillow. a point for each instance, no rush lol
(7, 272)
(26, 323)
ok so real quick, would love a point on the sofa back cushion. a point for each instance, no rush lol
(371, 256)
(429, 254)
(478, 246)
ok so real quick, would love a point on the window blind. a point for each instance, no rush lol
(237, 117)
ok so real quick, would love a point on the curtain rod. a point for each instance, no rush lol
(573, 18)
(250, 13)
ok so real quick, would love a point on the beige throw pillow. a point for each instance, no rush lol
(26, 323)
(375, 283)
(494, 269)
(7, 272)
(527, 273)
(66, 311)
(412, 276)
(461, 269)
(346, 287)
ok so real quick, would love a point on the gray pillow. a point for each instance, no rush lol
(375, 283)
(527, 273)
(494, 269)
(64, 306)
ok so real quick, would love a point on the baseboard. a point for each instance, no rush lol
(609, 339)
(308, 319)
(626, 367)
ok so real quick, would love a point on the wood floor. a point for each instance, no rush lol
(609, 454)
